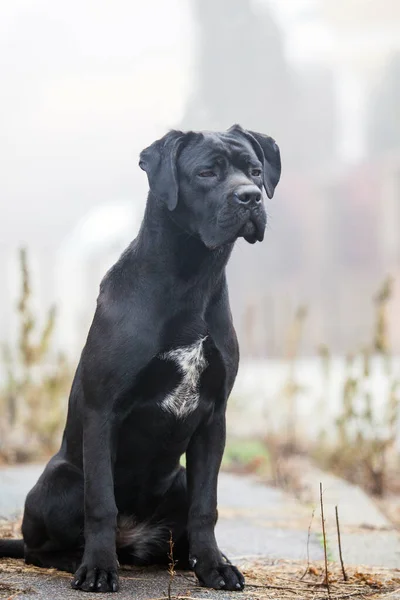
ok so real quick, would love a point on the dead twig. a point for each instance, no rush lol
(324, 537)
(4, 587)
(344, 596)
(15, 595)
(272, 587)
(171, 565)
(313, 584)
(308, 546)
(180, 598)
(345, 578)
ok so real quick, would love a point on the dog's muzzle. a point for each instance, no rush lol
(252, 232)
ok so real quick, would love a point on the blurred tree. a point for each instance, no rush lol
(242, 75)
(384, 114)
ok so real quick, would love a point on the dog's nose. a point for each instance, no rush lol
(249, 195)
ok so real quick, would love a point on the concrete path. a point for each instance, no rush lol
(367, 535)
(15, 483)
(254, 521)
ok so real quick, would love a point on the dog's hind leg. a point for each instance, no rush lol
(52, 526)
(63, 560)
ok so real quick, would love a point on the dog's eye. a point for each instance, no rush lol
(207, 173)
(256, 172)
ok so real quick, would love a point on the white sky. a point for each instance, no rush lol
(86, 84)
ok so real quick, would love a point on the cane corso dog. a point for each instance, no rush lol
(155, 375)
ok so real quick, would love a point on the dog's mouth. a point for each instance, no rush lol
(252, 231)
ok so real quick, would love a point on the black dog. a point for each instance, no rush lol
(155, 375)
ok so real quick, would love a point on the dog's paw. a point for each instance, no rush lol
(95, 579)
(222, 576)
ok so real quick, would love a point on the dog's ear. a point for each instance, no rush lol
(159, 162)
(272, 161)
(267, 151)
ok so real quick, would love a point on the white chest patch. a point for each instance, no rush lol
(191, 362)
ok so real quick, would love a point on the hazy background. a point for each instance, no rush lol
(86, 84)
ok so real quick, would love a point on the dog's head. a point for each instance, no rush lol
(215, 183)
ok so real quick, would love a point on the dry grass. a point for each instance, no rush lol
(285, 581)
(9, 592)
(360, 444)
(282, 580)
(35, 383)
(366, 437)
(390, 506)
(10, 529)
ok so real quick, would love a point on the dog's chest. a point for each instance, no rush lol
(190, 362)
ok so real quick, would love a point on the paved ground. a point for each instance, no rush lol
(255, 521)
(367, 535)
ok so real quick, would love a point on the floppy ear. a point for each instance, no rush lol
(159, 162)
(267, 151)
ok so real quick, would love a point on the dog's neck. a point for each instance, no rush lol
(161, 240)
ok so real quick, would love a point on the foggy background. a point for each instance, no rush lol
(85, 85)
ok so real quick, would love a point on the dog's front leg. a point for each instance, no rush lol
(98, 571)
(204, 457)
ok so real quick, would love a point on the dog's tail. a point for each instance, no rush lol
(143, 541)
(12, 548)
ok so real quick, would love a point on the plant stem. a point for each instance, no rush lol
(324, 536)
(345, 578)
